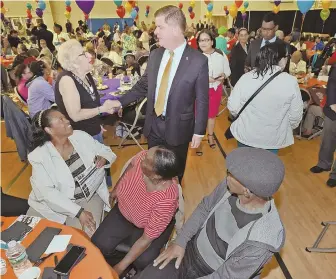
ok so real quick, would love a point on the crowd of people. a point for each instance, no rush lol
(181, 70)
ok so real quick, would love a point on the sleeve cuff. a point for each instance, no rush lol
(79, 212)
(196, 135)
(181, 241)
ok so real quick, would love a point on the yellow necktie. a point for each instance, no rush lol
(160, 101)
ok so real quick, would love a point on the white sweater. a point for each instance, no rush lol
(267, 122)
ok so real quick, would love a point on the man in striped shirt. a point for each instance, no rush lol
(147, 195)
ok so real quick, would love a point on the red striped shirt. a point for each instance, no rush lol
(150, 211)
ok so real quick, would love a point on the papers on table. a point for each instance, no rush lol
(58, 244)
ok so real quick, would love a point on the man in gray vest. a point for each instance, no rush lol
(235, 230)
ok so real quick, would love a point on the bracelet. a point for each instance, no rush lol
(99, 112)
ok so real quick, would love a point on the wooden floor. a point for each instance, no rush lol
(304, 200)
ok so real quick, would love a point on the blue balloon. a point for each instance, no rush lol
(134, 14)
(42, 5)
(118, 2)
(67, 3)
(210, 7)
(136, 8)
(304, 5)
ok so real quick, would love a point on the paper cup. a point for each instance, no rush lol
(31, 273)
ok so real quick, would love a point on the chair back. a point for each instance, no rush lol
(17, 94)
(107, 61)
(305, 95)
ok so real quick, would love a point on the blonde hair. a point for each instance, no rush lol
(66, 56)
(173, 13)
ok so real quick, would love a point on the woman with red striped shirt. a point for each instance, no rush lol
(147, 195)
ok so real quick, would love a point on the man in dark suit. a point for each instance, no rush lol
(270, 25)
(206, 26)
(176, 84)
(42, 33)
(199, 26)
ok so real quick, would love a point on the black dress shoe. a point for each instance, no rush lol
(331, 182)
(317, 169)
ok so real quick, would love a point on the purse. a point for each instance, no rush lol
(228, 133)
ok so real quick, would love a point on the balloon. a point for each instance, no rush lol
(86, 16)
(68, 9)
(42, 5)
(29, 6)
(324, 14)
(208, 15)
(276, 9)
(39, 12)
(2, 16)
(3, 10)
(277, 2)
(28, 20)
(192, 15)
(243, 10)
(233, 11)
(2, 4)
(192, 4)
(210, 7)
(246, 4)
(238, 3)
(118, 2)
(128, 7)
(132, 3)
(67, 14)
(148, 7)
(305, 5)
(28, 12)
(146, 15)
(67, 3)
(227, 12)
(121, 11)
(133, 14)
(180, 5)
(136, 8)
(207, 2)
(225, 8)
(190, 9)
(86, 6)
(244, 15)
(30, 16)
(326, 4)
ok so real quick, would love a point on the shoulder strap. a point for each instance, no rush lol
(257, 92)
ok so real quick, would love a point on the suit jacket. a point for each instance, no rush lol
(199, 26)
(237, 62)
(53, 185)
(253, 51)
(189, 89)
(331, 94)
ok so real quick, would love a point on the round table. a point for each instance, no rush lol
(113, 85)
(312, 82)
(92, 266)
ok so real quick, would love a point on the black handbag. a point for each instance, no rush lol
(228, 133)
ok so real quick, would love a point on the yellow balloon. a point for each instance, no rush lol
(326, 4)
(128, 7)
(192, 4)
(276, 9)
(209, 15)
(243, 10)
(67, 14)
(3, 10)
(233, 11)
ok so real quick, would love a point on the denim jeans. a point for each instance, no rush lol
(275, 151)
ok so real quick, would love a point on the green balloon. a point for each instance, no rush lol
(324, 14)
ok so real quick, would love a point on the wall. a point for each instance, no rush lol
(107, 9)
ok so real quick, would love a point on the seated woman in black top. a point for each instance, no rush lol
(76, 94)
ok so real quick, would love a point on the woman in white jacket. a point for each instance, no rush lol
(60, 159)
(268, 121)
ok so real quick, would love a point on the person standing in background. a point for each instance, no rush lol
(231, 33)
(328, 142)
(221, 42)
(199, 26)
(59, 35)
(238, 56)
(68, 26)
(176, 83)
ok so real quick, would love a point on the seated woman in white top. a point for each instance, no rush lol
(297, 66)
(219, 69)
(115, 55)
(60, 161)
(268, 121)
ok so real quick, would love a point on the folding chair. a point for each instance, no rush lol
(17, 94)
(315, 247)
(226, 96)
(131, 126)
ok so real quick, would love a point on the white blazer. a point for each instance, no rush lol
(52, 183)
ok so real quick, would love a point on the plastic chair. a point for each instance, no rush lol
(131, 126)
(226, 96)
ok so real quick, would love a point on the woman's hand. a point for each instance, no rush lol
(173, 252)
(86, 219)
(113, 198)
(100, 161)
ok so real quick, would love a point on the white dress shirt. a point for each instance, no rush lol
(218, 64)
(178, 52)
(271, 41)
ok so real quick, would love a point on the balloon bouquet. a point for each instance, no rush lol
(67, 12)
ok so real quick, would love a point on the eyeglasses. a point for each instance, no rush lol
(204, 41)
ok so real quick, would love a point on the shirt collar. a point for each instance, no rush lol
(271, 40)
(179, 50)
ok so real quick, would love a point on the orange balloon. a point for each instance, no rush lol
(326, 4)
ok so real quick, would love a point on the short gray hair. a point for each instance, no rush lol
(173, 13)
(65, 55)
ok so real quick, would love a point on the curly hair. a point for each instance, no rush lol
(37, 68)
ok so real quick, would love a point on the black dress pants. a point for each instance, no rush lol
(157, 137)
(116, 229)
